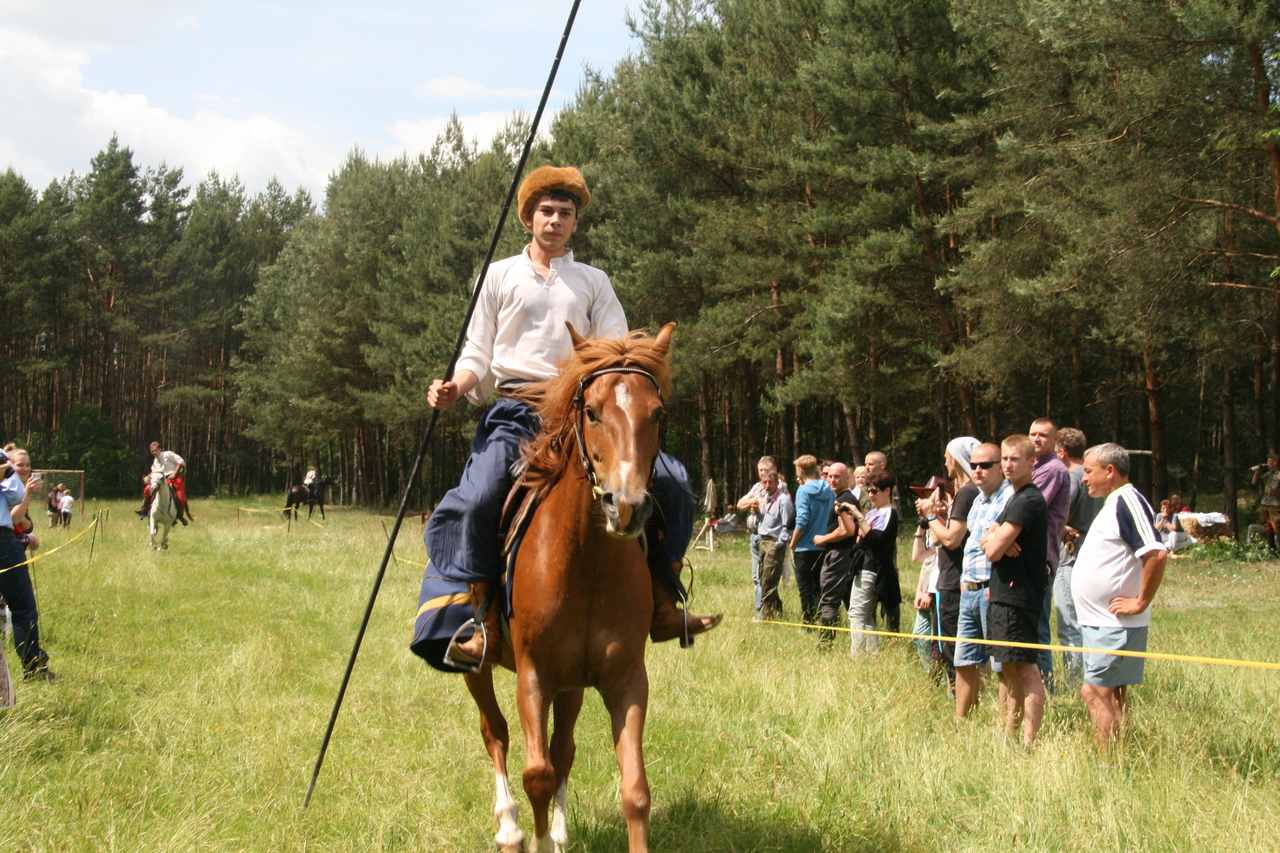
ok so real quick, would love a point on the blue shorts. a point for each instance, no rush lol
(1103, 670)
(972, 625)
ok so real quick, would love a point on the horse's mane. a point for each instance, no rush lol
(549, 453)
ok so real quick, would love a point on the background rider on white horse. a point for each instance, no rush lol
(172, 466)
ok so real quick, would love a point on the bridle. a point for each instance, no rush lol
(579, 412)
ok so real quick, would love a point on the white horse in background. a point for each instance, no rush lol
(164, 510)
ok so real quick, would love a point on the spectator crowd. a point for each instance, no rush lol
(1037, 529)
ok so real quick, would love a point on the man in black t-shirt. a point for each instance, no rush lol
(837, 566)
(1017, 547)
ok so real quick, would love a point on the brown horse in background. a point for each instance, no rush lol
(582, 596)
(297, 496)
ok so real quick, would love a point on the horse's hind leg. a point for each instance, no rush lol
(565, 710)
(493, 727)
(627, 701)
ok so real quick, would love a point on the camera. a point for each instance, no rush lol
(843, 508)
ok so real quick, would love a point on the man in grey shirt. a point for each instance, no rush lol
(777, 518)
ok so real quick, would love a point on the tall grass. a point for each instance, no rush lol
(195, 686)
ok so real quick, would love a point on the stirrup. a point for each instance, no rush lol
(464, 666)
(686, 639)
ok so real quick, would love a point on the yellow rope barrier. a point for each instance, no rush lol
(1250, 664)
(52, 551)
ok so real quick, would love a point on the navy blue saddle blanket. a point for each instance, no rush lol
(444, 606)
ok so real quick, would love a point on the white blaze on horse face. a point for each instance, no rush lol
(622, 396)
(560, 817)
(508, 814)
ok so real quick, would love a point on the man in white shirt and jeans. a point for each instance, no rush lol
(1117, 572)
(518, 335)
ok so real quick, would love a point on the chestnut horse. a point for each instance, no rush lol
(582, 597)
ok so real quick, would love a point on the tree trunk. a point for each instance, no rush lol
(855, 438)
(1196, 466)
(1077, 383)
(750, 407)
(1155, 414)
(704, 428)
(1229, 463)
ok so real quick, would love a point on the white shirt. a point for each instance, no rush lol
(1109, 563)
(66, 503)
(166, 463)
(518, 334)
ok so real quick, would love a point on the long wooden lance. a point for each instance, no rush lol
(435, 413)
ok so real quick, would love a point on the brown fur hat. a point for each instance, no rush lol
(545, 179)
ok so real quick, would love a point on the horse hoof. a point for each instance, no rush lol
(516, 846)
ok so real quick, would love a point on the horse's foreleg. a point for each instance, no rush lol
(627, 702)
(497, 739)
(565, 710)
(539, 772)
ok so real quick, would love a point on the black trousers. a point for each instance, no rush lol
(15, 586)
(835, 580)
(808, 582)
(948, 622)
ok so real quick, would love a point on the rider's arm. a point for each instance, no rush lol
(442, 395)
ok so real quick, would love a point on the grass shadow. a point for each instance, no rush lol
(698, 824)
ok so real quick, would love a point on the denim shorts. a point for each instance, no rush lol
(973, 625)
(1103, 670)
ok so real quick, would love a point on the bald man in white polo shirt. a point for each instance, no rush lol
(1117, 572)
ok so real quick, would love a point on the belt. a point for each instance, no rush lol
(974, 587)
(517, 391)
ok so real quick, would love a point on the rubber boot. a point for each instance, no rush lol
(473, 651)
(669, 620)
(1271, 546)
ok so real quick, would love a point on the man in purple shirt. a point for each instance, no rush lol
(1053, 480)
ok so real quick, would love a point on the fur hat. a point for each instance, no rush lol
(545, 179)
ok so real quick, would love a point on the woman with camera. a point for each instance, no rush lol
(877, 579)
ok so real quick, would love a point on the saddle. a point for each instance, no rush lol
(444, 607)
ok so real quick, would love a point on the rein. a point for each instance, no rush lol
(579, 409)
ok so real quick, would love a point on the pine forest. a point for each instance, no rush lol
(879, 224)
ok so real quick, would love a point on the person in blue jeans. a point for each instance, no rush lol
(752, 503)
(975, 576)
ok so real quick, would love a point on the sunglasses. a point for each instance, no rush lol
(872, 490)
(984, 465)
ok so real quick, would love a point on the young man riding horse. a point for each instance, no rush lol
(519, 335)
(172, 466)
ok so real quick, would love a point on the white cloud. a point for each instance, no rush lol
(52, 119)
(459, 89)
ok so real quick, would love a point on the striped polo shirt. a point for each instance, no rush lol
(1109, 563)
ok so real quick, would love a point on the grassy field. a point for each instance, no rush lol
(195, 686)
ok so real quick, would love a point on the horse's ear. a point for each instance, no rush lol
(578, 340)
(662, 341)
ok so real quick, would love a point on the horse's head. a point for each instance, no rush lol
(612, 404)
(156, 478)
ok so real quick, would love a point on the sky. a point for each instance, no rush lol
(281, 88)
